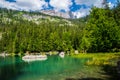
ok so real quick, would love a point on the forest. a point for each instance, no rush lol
(97, 32)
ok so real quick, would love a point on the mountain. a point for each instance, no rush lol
(22, 31)
(8, 16)
(68, 15)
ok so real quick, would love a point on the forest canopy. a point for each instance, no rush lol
(98, 32)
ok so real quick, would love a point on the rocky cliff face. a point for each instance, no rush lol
(59, 14)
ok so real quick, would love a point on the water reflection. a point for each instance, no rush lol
(13, 68)
(10, 68)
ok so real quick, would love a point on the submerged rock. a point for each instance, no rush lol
(34, 57)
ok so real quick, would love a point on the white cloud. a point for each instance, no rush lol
(97, 3)
(61, 4)
(89, 3)
(57, 4)
(36, 4)
(30, 4)
(5, 4)
(82, 12)
(24, 4)
(111, 5)
(85, 11)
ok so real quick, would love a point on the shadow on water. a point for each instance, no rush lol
(111, 71)
(52, 66)
(13, 68)
(84, 79)
(11, 71)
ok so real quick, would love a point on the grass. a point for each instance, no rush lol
(100, 58)
(100, 66)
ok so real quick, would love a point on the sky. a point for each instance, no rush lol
(80, 8)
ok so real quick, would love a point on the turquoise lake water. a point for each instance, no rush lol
(54, 68)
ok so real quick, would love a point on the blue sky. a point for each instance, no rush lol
(80, 8)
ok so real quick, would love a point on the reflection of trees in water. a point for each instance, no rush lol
(112, 72)
(54, 65)
(83, 79)
(11, 71)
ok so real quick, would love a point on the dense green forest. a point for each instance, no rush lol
(98, 32)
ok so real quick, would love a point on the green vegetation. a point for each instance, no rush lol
(23, 35)
(102, 32)
(100, 59)
(100, 66)
(96, 34)
(22, 31)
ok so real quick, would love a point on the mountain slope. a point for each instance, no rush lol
(14, 16)
(22, 31)
(68, 15)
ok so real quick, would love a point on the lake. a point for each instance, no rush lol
(54, 68)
